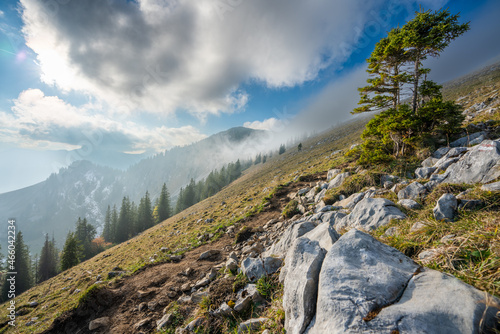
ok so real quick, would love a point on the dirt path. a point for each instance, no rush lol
(154, 287)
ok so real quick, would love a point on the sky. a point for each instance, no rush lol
(143, 76)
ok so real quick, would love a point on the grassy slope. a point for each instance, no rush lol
(475, 259)
(180, 232)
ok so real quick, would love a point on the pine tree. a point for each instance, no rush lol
(47, 264)
(85, 233)
(282, 149)
(114, 224)
(164, 207)
(106, 232)
(144, 214)
(72, 252)
(124, 226)
(428, 34)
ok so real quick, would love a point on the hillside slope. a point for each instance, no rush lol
(161, 267)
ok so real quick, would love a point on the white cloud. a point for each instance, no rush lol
(1, 13)
(271, 124)
(166, 55)
(39, 121)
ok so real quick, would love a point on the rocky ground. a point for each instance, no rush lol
(335, 276)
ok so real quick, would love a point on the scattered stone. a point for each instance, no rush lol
(391, 231)
(99, 323)
(424, 172)
(113, 274)
(370, 214)
(176, 258)
(34, 304)
(195, 324)
(495, 186)
(141, 294)
(164, 321)
(440, 152)
(303, 191)
(232, 265)
(332, 173)
(445, 207)
(429, 162)
(223, 310)
(427, 255)
(202, 282)
(465, 141)
(300, 276)
(449, 238)
(413, 191)
(142, 323)
(338, 180)
(198, 296)
(209, 254)
(417, 227)
(186, 287)
(255, 268)
(251, 325)
(246, 296)
(409, 204)
(431, 185)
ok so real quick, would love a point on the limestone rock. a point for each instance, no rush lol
(332, 173)
(370, 214)
(495, 186)
(255, 268)
(465, 141)
(424, 172)
(209, 254)
(302, 267)
(246, 296)
(251, 325)
(409, 204)
(480, 165)
(338, 180)
(445, 208)
(293, 232)
(358, 275)
(325, 234)
(413, 191)
(164, 321)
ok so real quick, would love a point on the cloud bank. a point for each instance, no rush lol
(189, 55)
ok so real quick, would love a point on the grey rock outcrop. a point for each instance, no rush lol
(301, 274)
(370, 214)
(480, 165)
(445, 208)
(293, 232)
(324, 234)
(413, 191)
(359, 274)
(251, 325)
(368, 287)
(338, 180)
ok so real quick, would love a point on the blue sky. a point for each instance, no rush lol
(147, 75)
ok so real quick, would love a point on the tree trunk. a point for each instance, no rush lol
(415, 84)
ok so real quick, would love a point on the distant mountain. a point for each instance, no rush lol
(85, 189)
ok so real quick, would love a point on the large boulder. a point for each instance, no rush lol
(413, 191)
(368, 287)
(370, 214)
(480, 165)
(359, 275)
(293, 232)
(424, 172)
(332, 173)
(338, 180)
(445, 208)
(300, 275)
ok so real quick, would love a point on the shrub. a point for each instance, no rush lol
(291, 209)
